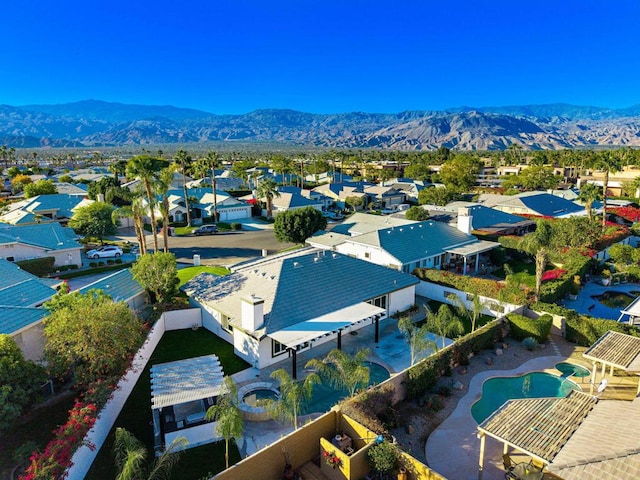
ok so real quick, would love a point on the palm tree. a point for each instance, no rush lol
(162, 186)
(538, 243)
(268, 189)
(444, 323)
(118, 169)
(136, 212)
(611, 162)
(227, 414)
(184, 160)
(417, 338)
(131, 456)
(589, 193)
(213, 160)
(473, 314)
(342, 370)
(146, 169)
(293, 394)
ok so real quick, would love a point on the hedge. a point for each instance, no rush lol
(523, 327)
(38, 266)
(584, 330)
(423, 376)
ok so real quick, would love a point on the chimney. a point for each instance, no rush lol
(465, 220)
(252, 313)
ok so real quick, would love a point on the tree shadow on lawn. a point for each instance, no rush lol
(136, 414)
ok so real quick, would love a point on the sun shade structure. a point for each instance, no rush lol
(538, 427)
(615, 350)
(633, 310)
(326, 324)
(183, 381)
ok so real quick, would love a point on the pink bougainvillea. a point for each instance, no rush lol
(553, 274)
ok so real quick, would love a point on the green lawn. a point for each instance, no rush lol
(222, 227)
(136, 414)
(186, 274)
(37, 429)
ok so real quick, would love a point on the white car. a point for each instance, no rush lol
(105, 252)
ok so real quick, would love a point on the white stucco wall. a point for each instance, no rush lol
(31, 341)
(211, 321)
(246, 347)
(376, 255)
(20, 251)
(402, 299)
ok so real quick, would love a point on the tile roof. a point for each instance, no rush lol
(14, 319)
(415, 241)
(605, 447)
(292, 200)
(360, 223)
(297, 286)
(25, 210)
(540, 202)
(50, 236)
(119, 285)
(21, 289)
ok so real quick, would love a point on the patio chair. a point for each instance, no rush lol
(508, 467)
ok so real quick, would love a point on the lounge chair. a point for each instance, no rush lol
(508, 467)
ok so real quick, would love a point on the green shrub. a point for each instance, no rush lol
(523, 327)
(73, 266)
(118, 261)
(530, 343)
(93, 264)
(236, 226)
(383, 457)
(110, 262)
(101, 264)
(38, 266)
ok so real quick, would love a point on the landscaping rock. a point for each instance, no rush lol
(488, 361)
(457, 386)
(498, 351)
(410, 429)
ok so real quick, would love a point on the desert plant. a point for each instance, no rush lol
(530, 343)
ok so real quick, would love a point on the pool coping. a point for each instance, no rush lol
(453, 449)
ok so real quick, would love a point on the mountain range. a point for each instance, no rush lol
(94, 123)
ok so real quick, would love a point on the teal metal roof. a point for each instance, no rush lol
(298, 286)
(13, 319)
(409, 243)
(484, 217)
(63, 204)
(119, 285)
(21, 289)
(51, 236)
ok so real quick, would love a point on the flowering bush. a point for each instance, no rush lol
(331, 458)
(553, 274)
(632, 214)
(56, 457)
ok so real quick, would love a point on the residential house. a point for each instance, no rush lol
(56, 207)
(294, 198)
(121, 287)
(229, 208)
(26, 242)
(65, 188)
(426, 244)
(535, 203)
(21, 313)
(472, 217)
(275, 307)
(385, 197)
(410, 188)
(339, 192)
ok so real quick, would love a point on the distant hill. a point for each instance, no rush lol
(96, 123)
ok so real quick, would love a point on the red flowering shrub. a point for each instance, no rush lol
(53, 462)
(553, 274)
(632, 214)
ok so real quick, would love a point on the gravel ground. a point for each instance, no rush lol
(417, 423)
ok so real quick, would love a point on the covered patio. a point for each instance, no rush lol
(613, 350)
(302, 335)
(181, 393)
(632, 311)
(468, 252)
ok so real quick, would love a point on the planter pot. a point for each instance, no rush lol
(402, 474)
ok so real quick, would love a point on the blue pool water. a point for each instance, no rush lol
(323, 397)
(496, 391)
(572, 370)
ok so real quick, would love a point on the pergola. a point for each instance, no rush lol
(475, 248)
(183, 381)
(335, 322)
(633, 310)
(538, 427)
(615, 350)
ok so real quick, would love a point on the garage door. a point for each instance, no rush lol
(235, 213)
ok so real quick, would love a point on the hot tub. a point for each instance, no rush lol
(251, 397)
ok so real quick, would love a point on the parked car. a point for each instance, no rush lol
(105, 252)
(206, 230)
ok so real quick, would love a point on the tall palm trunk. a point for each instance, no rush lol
(152, 214)
(215, 194)
(165, 223)
(541, 263)
(605, 186)
(184, 191)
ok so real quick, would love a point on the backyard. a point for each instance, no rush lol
(136, 413)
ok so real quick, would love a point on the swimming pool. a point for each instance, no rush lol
(572, 370)
(616, 299)
(496, 391)
(323, 397)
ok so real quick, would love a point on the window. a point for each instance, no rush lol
(224, 321)
(277, 348)
(436, 260)
(379, 301)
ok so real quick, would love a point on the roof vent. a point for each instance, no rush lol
(316, 259)
(411, 227)
(400, 229)
(296, 264)
(334, 255)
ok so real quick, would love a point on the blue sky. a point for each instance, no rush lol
(234, 56)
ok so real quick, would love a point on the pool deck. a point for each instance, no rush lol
(453, 449)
